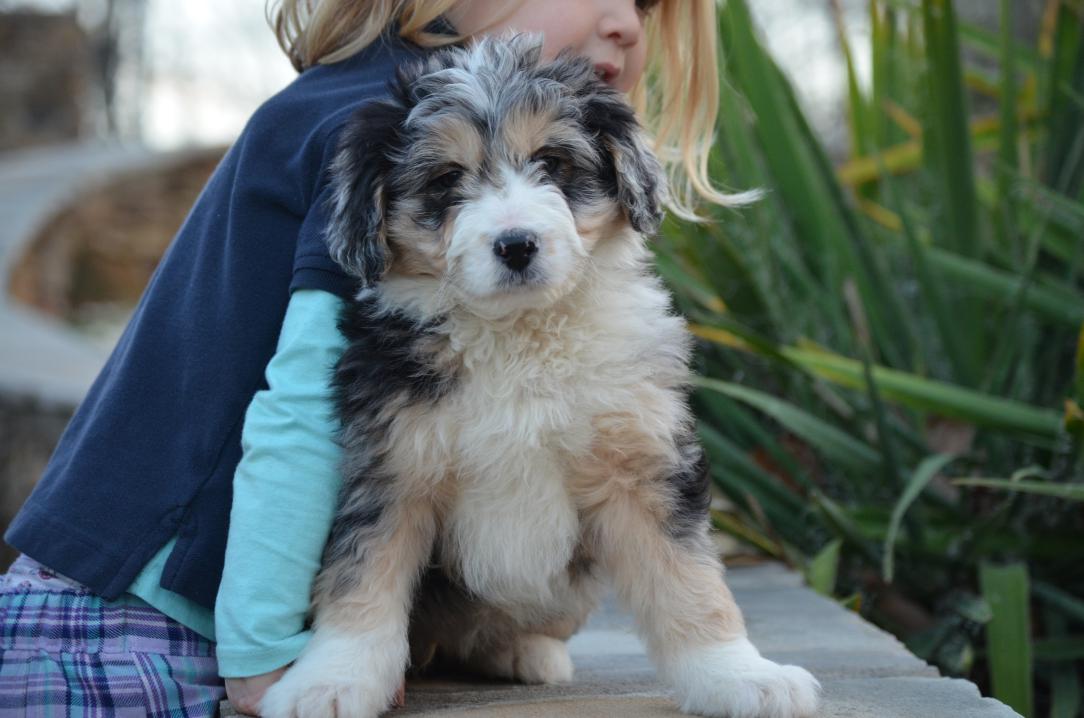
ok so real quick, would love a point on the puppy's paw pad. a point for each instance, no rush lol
(541, 659)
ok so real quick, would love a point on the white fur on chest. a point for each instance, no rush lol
(520, 416)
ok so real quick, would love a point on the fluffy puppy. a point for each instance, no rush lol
(513, 401)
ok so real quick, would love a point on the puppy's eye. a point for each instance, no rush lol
(446, 180)
(554, 165)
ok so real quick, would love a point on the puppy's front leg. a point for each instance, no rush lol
(354, 663)
(667, 573)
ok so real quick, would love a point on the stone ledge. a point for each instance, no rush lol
(866, 673)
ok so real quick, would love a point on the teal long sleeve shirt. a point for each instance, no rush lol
(284, 495)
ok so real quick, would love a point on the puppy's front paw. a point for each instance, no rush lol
(338, 677)
(732, 680)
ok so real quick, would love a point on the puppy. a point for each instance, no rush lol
(513, 401)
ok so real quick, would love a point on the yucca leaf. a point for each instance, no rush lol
(1079, 372)
(1008, 155)
(1060, 303)
(1064, 677)
(844, 526)
(993, 47)
(836, 445)
(863, 139)
(948, 139)
(1063, 601)
(1060, 649)
(1065, 692)
(920, 478)
(686, 282)
(732, 525)
(888, 65)
(806, 183)
(928, 395)
(741, 423)
(1065, 118)
(1063, 217)
(1070, 492)
(823, 568)
(1008, 635)
(764, 487)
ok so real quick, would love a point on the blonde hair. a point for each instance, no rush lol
(677, 98)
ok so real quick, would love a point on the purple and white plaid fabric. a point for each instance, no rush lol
(67, 652)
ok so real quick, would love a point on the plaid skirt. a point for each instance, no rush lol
(66, 652)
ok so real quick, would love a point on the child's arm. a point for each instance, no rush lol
(284, 495)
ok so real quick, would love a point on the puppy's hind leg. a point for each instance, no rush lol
(487, 640)
(354, 663)
(653, 542)
(531, 658)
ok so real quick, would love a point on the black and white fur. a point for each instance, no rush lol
(515, 424)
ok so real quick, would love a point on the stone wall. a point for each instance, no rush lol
(44, 78)
(29, 430)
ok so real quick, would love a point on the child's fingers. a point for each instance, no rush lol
(245, 694)
(400, 696)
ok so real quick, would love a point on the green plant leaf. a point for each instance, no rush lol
(920, 393)
(920, 478)
(1065, 692)
(844, 526)
(1059, 599)
(837, 445)
(1062, 648)
(1008, 635)
(733, 525)
(949, 137)
(1079, 374)
(824, 567)
(1072, 492)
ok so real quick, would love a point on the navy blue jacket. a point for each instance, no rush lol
(152, 449)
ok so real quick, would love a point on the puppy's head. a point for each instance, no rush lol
(493, 172)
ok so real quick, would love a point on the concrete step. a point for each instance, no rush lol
(866, 673)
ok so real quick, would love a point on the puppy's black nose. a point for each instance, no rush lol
(516, 247)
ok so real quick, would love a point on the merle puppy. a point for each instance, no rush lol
(513, 401)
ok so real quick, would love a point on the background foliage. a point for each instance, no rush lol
(892, 364)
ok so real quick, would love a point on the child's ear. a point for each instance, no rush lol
(356, 233)
(638, 179)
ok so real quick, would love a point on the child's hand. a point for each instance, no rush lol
(245, 694)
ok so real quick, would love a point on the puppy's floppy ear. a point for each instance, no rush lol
(637, 178)
(356, 235)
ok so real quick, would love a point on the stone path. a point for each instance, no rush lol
(866, 673)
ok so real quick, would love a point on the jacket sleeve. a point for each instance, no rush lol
(284, 495)
(313, 266)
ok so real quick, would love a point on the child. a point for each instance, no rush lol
(183, 514)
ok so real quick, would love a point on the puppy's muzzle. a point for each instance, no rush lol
(516, 248)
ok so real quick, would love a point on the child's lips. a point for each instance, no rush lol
(607, 72)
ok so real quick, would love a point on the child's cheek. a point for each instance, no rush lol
(635, 61)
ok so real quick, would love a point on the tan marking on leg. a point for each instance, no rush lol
(676, 592)
(676, 589)
(389, 570)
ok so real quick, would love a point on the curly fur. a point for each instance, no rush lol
(516, 433)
